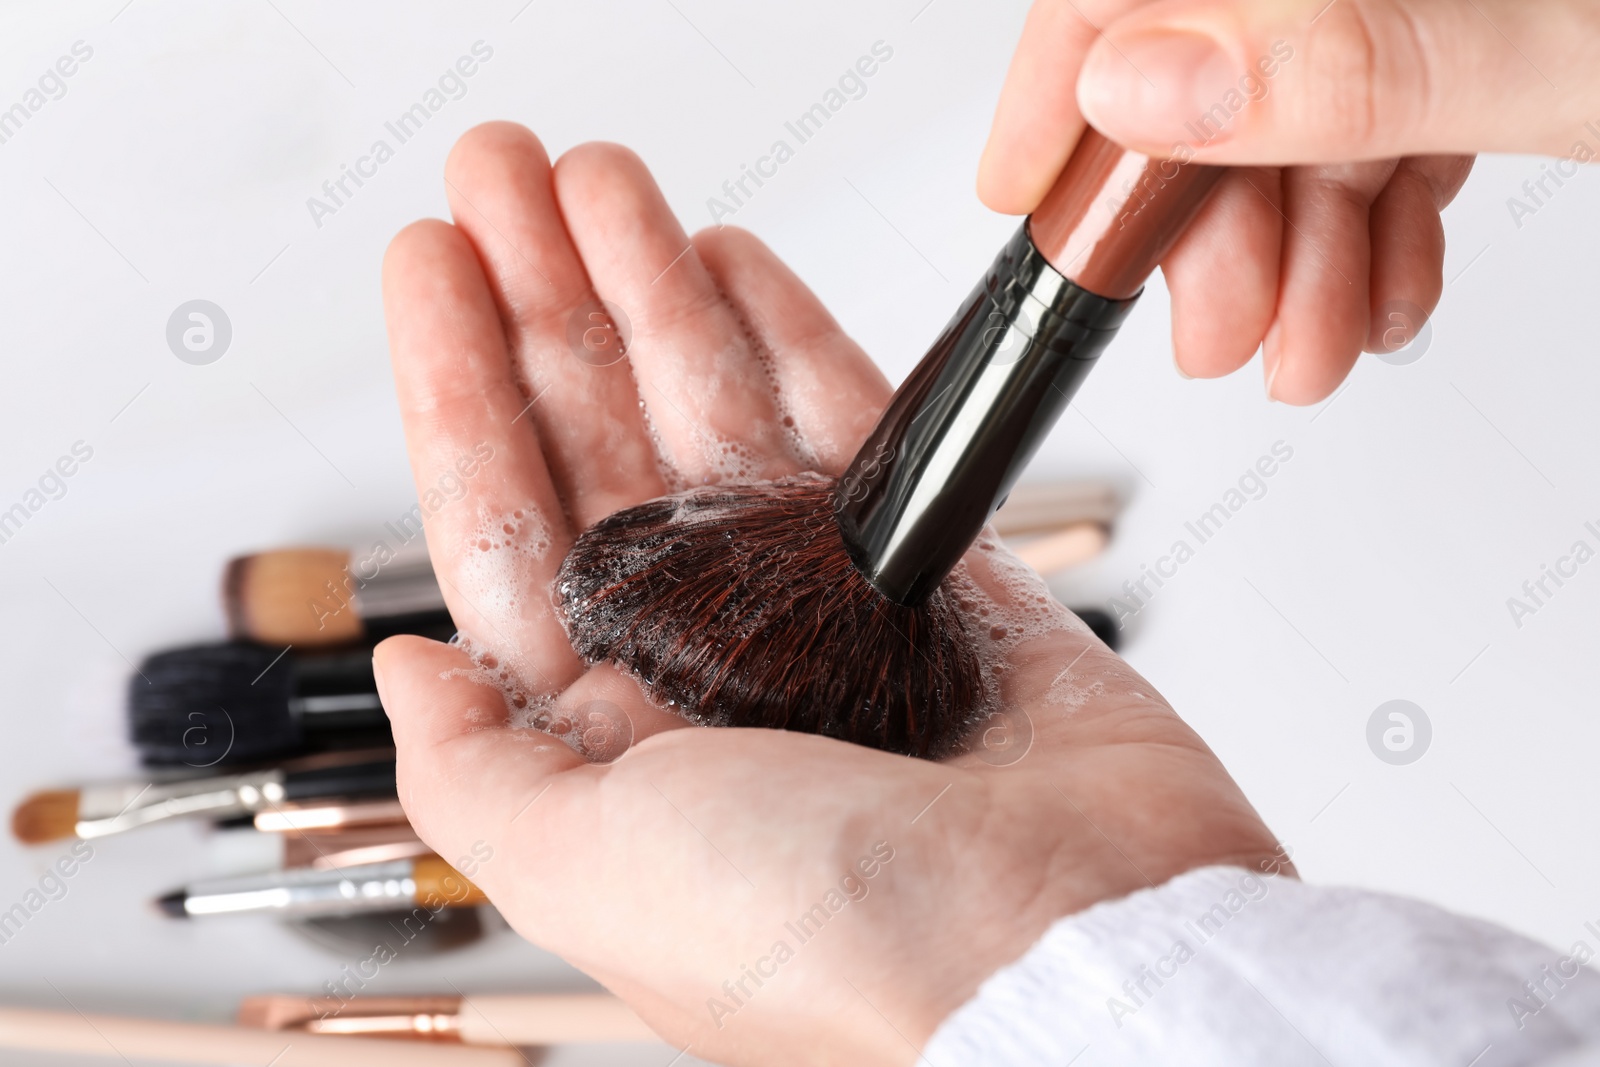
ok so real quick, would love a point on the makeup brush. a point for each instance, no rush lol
(818, 605)
(312, 597)
(309, 893)
(115, 807)
(320, 834)
(330, 816)
(239, 702)
(355, 848)
(243, 848)
(481, 1019)
(121, 1039)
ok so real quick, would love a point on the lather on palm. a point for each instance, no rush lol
(670, 873)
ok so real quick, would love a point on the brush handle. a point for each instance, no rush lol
(1046, 508)
(1069, 547)
(119, 1040)
(355, 780)
(1113, 214)
(959, 431)
(961, 428)
(525, 1019)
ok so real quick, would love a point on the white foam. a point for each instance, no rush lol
(524, 708)
(804, 451)
(503, 577)
(1028, 613)
(671, 476)
(1012, 609)
(501, 564)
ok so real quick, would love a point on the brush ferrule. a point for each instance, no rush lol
(961, 428)
(404, 586)
(112, 809)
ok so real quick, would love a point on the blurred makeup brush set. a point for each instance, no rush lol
(278, 734)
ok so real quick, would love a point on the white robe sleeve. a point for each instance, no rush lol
(1222, 966)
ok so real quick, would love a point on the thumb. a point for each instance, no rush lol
(1314, 81)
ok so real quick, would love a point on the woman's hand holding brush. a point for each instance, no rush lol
(1376, 103)
(758, 896)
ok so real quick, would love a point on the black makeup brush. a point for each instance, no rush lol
(236, 703)
(815, 605)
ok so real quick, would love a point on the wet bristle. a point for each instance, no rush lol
(738, 605)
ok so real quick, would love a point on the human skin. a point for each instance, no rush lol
(666, 872)
(1377, 112)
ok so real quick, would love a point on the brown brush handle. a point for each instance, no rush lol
(1113, 214)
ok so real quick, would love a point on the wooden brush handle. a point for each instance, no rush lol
(1050, 506)
(121, 1039)
(1066, 548)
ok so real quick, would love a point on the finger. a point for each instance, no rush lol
(1037, 121)
(494, 523)
(828, 387)
(580, 396)
(464, 776)
(708, 397)
(1408, 247)
(604, 713)
(1223, 274)
(1323, 299)
(1301, 81)
(465, 765)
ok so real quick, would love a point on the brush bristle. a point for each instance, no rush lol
(295, 596)
(47, 816)
(172, 905)
(212, 704)
(740, 606)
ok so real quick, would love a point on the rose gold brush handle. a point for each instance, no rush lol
(1113, 214)
(119, 1040)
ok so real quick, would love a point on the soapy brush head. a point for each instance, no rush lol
(739, 605)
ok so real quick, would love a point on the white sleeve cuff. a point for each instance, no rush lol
(1222, 966)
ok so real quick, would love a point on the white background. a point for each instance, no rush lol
(179, 163)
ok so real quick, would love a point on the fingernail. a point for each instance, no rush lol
(1185, 375)
(1158, 86)
(1271, 357)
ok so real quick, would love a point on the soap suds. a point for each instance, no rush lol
(671, 476)
(806, 453)
(501, 578)
(598, 730)
(1020, 612)
(500, 565)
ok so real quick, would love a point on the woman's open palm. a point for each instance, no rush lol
(757, 896)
